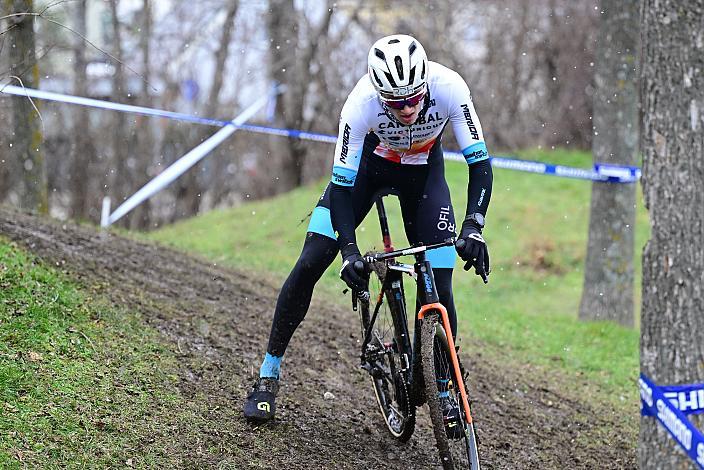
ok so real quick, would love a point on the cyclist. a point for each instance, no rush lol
(389, 140)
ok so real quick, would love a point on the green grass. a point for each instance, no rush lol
(537, 234)
(81, 384)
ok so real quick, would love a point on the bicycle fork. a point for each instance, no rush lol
(431, 303)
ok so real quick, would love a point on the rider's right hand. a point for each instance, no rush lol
(353, 270)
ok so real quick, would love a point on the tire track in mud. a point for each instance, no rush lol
(217, 321)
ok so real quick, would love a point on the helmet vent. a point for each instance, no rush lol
(394, 41)
(412, 76)
(391, 79)
(411, 48)
(376, 77)
(399, 66)
(379, 54)
(422, 72)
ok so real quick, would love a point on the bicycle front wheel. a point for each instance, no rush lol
(387, 356)
(457, 446)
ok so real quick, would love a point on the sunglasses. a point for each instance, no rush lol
(400, 103)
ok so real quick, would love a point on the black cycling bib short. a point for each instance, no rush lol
(427, 215)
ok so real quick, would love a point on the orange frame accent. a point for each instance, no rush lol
(453, 354)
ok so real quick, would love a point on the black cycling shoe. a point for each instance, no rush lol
(260, 404)
(451, 417)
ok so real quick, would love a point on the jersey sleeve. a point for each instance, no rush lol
(465, 123)
(350, 142)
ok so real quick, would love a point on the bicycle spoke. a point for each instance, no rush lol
(383, 358)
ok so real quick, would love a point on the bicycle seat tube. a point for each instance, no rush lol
(384, 223)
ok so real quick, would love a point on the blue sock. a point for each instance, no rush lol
(270, 367)
(442, 386)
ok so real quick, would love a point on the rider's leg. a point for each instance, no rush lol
(443, 282)
(294, 299)
(318, 253)
(429, 218)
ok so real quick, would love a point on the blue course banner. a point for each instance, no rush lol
(689, 399)
(654, 403)
(600, 172)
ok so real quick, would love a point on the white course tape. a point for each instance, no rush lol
(184, 163)
(600, 172)
(127, 108)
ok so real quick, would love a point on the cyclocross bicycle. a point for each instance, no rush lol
(406, 375)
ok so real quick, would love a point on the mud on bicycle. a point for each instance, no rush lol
(406, 374)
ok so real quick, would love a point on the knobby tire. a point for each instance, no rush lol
(454, 454)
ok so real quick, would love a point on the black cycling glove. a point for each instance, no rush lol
(472, 248)
(353, 270)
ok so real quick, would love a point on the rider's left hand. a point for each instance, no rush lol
(472, 248)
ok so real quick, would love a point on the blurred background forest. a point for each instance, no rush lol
(531, 74)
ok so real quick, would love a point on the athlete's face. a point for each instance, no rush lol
(408, 114)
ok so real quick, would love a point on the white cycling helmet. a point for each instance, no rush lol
(398, 66)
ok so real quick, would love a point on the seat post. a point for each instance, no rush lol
(384, 223)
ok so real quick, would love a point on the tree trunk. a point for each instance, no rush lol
(143, 134)
(83, 148)
(608, 274)
(290, 64)
(6, 167)
(672, 325)
(219, 183)
(282, 23)
(27, 141)
(221, 57)
(190, 188)
(120, 181)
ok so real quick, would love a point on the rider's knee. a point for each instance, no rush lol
(318, 253)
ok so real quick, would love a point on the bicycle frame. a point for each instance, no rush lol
(426, 288)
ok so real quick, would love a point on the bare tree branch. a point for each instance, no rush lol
(50, 5)
(41, 15)
(30, 99)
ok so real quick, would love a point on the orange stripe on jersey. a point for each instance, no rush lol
(417, 149)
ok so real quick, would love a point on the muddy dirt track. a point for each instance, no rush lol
(217, 321)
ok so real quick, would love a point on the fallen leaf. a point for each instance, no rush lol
(35, 356)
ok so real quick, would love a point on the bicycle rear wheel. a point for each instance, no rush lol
(455, 453)
(387, 356)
